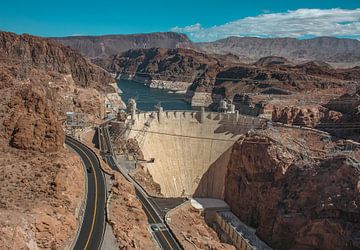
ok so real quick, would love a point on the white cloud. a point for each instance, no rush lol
(298, 23)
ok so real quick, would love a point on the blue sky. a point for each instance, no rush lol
(201, 20)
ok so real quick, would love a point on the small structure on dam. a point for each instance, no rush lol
(191, 149)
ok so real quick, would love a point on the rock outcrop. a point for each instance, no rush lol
(50, 56)
(336, 115)
(41, 195)
(127, 218)
(191, 230)
(296, 195)
(174, 69)
(32, 123)
(347, 108)
(42, 182)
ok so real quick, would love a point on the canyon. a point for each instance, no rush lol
(207, 79)
(286, 162)
(302, 193)
(308, 143)
(42, 181)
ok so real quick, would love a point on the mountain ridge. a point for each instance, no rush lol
(107, 45)
(342, 51)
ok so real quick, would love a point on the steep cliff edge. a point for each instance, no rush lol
(298, 195)
(50, 56)
(174, 69)
(336, 112)
(42, 182)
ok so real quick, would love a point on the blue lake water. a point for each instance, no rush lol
(147, 97)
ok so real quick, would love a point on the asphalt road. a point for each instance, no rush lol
(93, 226)
(161, 232)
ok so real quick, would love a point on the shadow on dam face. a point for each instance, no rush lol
(191, 157)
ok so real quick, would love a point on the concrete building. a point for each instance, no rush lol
(209, 207)
(218, 211)
(242, 236)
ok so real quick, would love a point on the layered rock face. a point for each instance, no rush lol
(42, 183)
(339, 115)
(174, 69)
(70, 80)
(50, 56)
(347, 107)
(32, 122)
(104, 46)
(250, 49)
(274, 75)
(296, 195)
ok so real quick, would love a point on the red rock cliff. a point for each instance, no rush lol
(293, 193)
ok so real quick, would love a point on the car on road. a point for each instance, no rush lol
(154, 228)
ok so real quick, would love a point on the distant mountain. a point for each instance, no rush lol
(104, 46)
(251, 49)
(336, 51)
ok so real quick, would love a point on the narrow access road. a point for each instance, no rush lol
(160, 230)
(93, 226)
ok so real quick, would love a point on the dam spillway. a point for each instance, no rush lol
(191, 149)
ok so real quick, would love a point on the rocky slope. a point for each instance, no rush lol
(274, 75)
(104, 46)
(299, 194)
(42, 183)
(191, 230)
(174, 69)
(251, 49)
(47, 55)
(333, 110)
(131, 231)
(347, 108)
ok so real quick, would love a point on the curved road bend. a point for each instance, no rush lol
(93, 226)
(161, 233)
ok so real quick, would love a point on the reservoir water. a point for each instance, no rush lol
(147, 97)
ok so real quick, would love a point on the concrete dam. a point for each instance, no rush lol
(191, 149)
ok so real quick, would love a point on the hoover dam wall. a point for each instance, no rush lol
(191, 149)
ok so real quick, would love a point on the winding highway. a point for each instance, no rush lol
(92, 229)
(159, 229)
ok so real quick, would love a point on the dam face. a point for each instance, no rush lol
(191, 149)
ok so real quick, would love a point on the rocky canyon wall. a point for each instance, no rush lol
(296, 195)
(42, 182)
